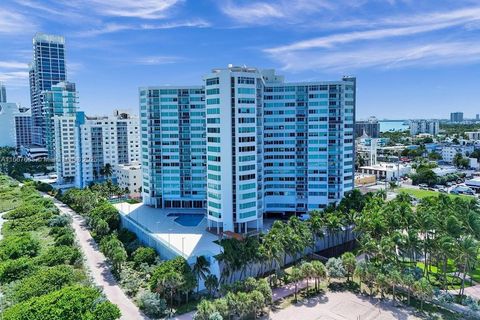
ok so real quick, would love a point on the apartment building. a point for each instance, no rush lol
(173, 146)
(270, 146)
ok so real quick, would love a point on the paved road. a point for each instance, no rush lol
(96, 263)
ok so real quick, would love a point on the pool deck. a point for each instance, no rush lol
(187, 241)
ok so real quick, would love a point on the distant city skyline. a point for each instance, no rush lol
(411, 60)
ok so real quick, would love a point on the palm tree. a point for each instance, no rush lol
(201, 268)
(107, 170)
(467, 253)
(211, 283)
(319, 272)
(349, 263)
(307, 271)
(316, 227)
(296, 276)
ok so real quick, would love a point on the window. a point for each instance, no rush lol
(212, 81)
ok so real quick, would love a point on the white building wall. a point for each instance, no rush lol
(65, 148)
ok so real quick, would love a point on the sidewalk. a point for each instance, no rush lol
(96, 263)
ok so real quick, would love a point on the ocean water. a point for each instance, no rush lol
(393, 125)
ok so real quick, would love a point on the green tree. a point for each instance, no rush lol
(211, 284)
(307, 271)
(201, 269)
(296, 276)
(319, 271)
(349, 263)
(144, 255)
(423, 291)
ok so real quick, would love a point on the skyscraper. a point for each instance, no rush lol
(46, 70)
(3, 93)
(270, 146)
(456, 117)
(60, 100)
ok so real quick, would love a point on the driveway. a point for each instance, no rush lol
(96, 263)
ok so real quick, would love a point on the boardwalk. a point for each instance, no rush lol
(96, 263)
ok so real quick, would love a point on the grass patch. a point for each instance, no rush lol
(420, 194)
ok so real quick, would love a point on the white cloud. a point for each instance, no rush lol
(13, 65)
(116, 27)
(12, 22)
(259, 12)
(387, 43)
(384, 56)
(412, 26)
(143, 9)
(158, 60)
(14, 78)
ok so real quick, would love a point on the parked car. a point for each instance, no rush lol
(443, 190)
(423, 186)
(449, 184)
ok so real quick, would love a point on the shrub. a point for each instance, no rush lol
(18, 245)
(130, 281)
(152, 305)
(60, 255)
(144, 255)
(67, 239)
(43, 281)
(69, 303)
(12, 270)
(335, 268)
(108, 213)
(59, 221)
(22, 211)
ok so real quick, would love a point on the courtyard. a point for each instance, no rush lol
(342, 306)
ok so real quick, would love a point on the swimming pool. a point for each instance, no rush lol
(187, 219)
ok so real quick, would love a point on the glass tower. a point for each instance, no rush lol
(46, 70)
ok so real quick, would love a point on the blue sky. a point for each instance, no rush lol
(412, 58)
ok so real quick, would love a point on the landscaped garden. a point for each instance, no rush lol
(416, 255)
(41, 267)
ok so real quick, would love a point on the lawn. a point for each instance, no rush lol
(419, 194)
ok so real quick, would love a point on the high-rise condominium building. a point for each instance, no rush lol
(86, 146)
(424, 126)
(456, 117)
(46, 70)
(370, 127)
(173, 146)
(66, 140)
(23, 128)
(15, 125)
(271, 146)
(3, 93)
(60, 100)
